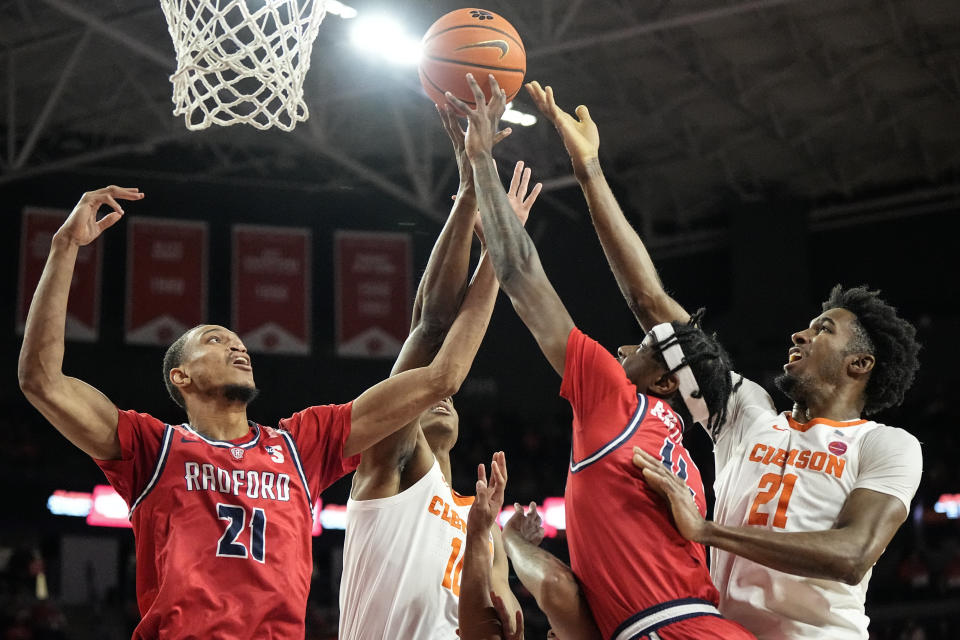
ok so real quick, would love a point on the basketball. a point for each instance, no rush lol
(473, 41)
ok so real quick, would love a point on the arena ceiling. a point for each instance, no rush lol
(850, 105)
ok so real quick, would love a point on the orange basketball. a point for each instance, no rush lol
(473, 41)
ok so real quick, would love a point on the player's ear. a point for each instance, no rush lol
(179, 377)
(665, 386)
(862, 364)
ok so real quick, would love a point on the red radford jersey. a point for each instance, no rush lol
(624, 547)
(223, 528)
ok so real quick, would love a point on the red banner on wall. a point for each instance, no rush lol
(83, 308)
(373, 293)
(271, 288)
(166, 279)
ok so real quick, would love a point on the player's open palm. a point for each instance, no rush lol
(580, 134)
(520, 195)
(82, 226)
(526, 524)
(486, 506)
(665, 482)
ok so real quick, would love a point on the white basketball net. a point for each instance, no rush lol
(242, 60)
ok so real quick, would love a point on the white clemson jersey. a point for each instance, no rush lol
(402, 559)
(776, 473)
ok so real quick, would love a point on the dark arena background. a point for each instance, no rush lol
(765, 150)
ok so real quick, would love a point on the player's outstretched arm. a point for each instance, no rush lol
(444, 280)
(439, 295)
(514, 254)
(82, 414)
(398, 400)
(379, 472)
(866, 524)
(479, 618)
(628, 257)
(549, 580)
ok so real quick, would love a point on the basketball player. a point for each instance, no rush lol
(403, 551)
(641, 578)
(806, 501)
(221, 507)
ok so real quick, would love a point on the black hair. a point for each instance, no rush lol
(890, 339)
(171, 360)
(711, 366)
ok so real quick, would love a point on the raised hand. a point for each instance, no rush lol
(483, 120)
(580, 135)
(527, 525)
(82, 227)
(520, 199)
(486, 506)
(686, 516)
(456, 134)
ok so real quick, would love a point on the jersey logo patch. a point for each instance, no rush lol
(237, 453)
(276, 453)
(837, 448)
(778, 428)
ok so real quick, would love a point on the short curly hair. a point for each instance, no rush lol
(886, 336)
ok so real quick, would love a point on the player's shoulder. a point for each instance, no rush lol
(880, 432)
(316, 413)
(750, 405)
(884, 442)
(140, 419)
(746, 389)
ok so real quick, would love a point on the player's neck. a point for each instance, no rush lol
(443, 458)
(838, 400)
(837, 407)
(219, 421)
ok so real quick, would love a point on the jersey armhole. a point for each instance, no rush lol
(632, 425)
(158, 468)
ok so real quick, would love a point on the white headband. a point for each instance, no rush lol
(676, 362)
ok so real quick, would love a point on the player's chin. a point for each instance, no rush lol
(244, 393)
(440, 424)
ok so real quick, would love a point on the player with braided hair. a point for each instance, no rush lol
(807, 500)
(709, 362)
(641, 578)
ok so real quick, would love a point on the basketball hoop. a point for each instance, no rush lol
(242, 60)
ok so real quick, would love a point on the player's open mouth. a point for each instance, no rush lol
(242, 363)
(443, 408)
(794, 355)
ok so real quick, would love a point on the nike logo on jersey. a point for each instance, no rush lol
(778, 428)
(187, 440)
(828, 463)
(499, 44)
